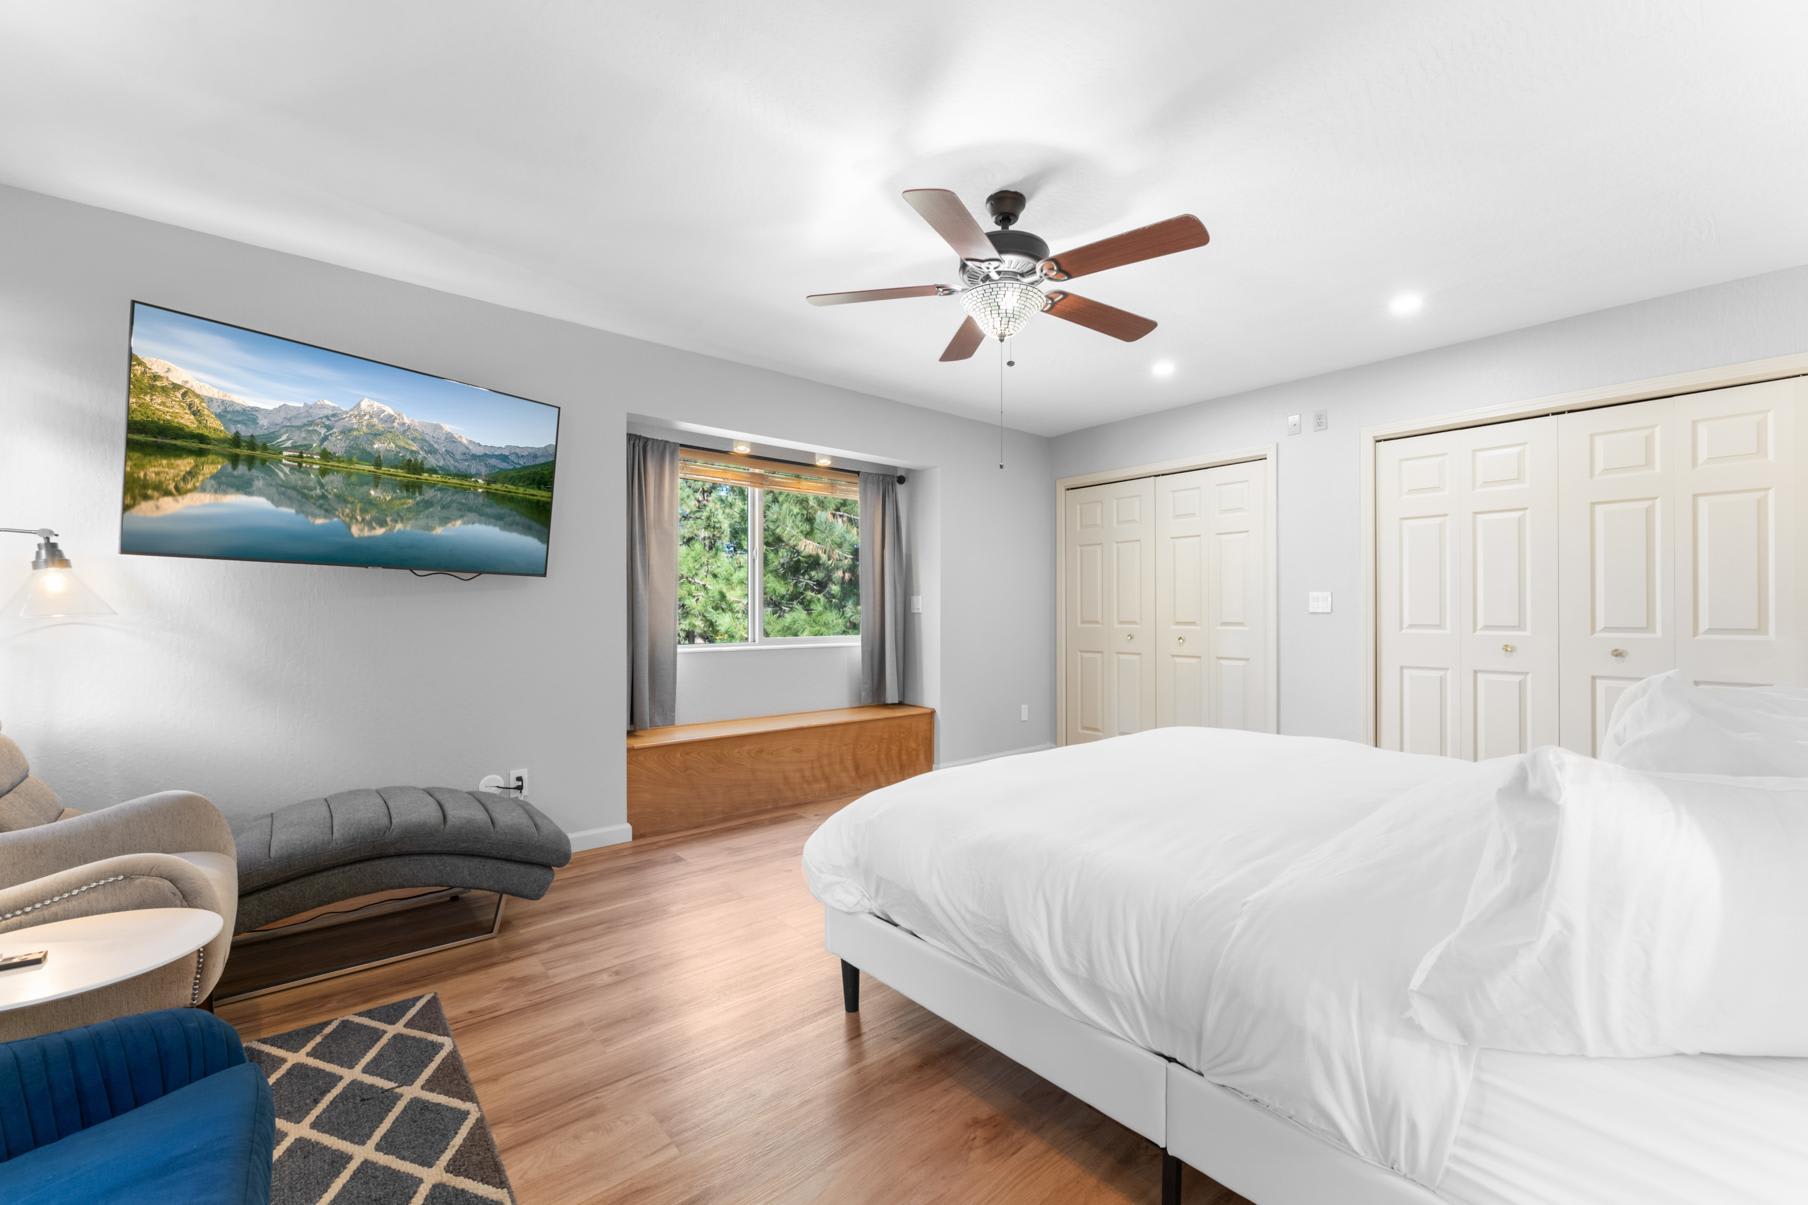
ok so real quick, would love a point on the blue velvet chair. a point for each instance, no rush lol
(154, 1108)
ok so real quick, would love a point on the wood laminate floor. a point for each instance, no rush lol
(665, 1026)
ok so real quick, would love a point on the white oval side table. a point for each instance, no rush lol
(89, 952)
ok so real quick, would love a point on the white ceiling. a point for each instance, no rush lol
(685, 172)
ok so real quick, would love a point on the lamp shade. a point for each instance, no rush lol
(54, 592)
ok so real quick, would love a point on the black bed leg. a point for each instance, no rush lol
(850, 986)
(1170, 1179)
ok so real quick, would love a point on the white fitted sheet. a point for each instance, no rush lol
(1683, 1130)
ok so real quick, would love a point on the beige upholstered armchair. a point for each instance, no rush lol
(169, 850)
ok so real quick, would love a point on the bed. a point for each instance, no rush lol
(1206, 935)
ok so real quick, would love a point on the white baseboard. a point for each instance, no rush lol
(596, 838)
(967, 761)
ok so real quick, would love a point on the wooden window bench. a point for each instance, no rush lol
(692, 775)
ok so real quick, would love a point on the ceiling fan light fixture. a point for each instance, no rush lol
(1004, 307)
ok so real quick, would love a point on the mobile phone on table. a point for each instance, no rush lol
(15, 962)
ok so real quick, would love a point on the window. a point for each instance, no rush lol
(804, 584)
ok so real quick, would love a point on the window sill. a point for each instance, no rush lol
(797, 642)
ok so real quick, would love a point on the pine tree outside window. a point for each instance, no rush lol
(766, 556)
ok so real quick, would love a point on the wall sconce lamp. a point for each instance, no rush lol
(52, 591)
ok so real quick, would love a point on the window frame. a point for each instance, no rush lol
(756, 587)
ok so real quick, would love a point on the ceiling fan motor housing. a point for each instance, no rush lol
(1020, 252)
(1006, 206)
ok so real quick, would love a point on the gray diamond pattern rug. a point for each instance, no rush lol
(376, 1109)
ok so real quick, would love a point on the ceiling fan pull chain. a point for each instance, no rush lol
(1002, 356)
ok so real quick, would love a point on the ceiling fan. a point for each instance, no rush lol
(1004, 272)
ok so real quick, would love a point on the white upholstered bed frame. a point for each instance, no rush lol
(1230, 1138)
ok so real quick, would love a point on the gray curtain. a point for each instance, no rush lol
(882, 617)
(652, 582)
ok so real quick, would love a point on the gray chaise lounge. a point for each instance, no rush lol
(324, 851)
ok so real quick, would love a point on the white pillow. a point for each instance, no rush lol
(1628, 914)
(1666, 724)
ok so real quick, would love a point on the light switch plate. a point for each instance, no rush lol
(1318, 602)
(1293, 427)
(916, 604)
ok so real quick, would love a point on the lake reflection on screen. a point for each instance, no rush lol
(183, 501)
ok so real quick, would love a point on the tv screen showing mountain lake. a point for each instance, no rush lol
(244, 446)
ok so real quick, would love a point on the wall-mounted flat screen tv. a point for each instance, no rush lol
(243, 446)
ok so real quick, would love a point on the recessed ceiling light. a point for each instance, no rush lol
(742, 447)
(1405, 305)
(1162, 369)
(823, 461)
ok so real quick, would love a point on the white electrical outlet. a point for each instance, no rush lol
(1293, 427)
(1023, 712)
(1318, 602)
(1321, 420)
(520, 783)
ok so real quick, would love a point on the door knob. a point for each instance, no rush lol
(1180, 640)
(1507, 648)
(1129, 635)
(1619, 652)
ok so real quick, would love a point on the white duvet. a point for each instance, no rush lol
(1252, 906)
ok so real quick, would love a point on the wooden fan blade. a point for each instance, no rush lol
(1096, 315)
(944, 211)
(966, 341)
(1163, 238)
(877, 294)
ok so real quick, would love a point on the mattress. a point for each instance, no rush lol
(1252, 907)
(1110, 880)
(1685, 1130)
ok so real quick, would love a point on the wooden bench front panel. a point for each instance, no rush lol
(692, 775)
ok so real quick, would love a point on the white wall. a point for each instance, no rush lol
(1318, 473)
(260, 684)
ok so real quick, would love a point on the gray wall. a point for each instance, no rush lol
(1319, 473)
(258, 684)
(727, 683)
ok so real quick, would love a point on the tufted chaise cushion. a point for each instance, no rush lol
(326, 850)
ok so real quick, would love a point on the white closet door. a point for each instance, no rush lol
(1739, 535)
(1466, 569)
(1617, 478)
(1183, 633)
(1211, 583)
(1418, 502)
(1682, 547)
(1237, 583)
(1507, 591)
(1110, 557)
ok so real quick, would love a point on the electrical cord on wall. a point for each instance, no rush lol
(457, 577)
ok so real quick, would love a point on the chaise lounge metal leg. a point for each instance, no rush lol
(850, 986)
(1170, 1179)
